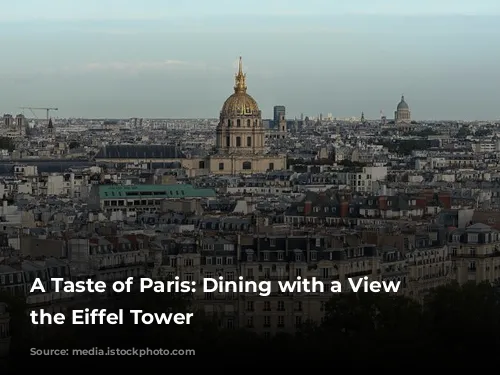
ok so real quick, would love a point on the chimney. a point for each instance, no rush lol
(308, 208)
(344, 209)
(382, 203)
(445, 200)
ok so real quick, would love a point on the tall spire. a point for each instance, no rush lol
(240, 79)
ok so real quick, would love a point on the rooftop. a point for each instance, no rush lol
(158, 191)
(140, 152)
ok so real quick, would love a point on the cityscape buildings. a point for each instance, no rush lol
(389, 199)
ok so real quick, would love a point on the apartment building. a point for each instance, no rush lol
(475, 253)
(266, 258)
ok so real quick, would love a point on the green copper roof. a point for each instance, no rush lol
(153, 191)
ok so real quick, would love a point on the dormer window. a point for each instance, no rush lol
(472, 238)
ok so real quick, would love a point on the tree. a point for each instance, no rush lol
(7, 144)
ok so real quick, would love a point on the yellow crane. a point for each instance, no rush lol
(47, 109)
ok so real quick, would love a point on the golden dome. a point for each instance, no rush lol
(240, 103)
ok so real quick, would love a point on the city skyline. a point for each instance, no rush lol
(91, 63)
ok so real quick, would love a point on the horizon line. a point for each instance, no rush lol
(266, 15)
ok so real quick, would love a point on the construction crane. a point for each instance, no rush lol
(40, 108)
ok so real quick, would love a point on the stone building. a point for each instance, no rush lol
(240, 143)
(240, 140)
(402, 114)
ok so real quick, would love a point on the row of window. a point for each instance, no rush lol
(280, 322)
(231, 123)
(247, 165)
(280, 306)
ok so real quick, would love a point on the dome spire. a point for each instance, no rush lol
(240, 79)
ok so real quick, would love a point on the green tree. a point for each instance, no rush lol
(7, 144)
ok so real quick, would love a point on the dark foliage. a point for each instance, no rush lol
(7, 144)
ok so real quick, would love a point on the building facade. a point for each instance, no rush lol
(402, 115)
(240, 139)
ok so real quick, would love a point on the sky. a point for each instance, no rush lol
(177, 59)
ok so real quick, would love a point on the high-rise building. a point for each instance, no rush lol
(279, 114)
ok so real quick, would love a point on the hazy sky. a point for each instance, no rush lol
(161, 58)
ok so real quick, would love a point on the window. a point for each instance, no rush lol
(238, 141)
(208, 260)
(281, 321)
(298, 272)
(218, 261)
(281, 255)
(266, 256)
(325, 273)
(229, 276)
(267, 321)
(201, 165)
(221, 166)
(271, 166)
(247, 165)
(238, 123)
(298, 306)
(472, 237)
(314, 256)
(267, 306)
(228, 141)
(209, 296)
(272, 242)
(298, 321)
(250, 322)
(249, 141)
(248, 123)
(281, 306)
(250, 306)
(250, 258)
(229, 123)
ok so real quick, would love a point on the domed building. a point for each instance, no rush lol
(402, 114)
(240, 135)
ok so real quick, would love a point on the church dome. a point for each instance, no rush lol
(402, 104)
(240, 103)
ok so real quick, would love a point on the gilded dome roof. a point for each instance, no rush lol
(240, 103)
(402, 104)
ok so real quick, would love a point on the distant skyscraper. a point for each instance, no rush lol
(279, 114)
